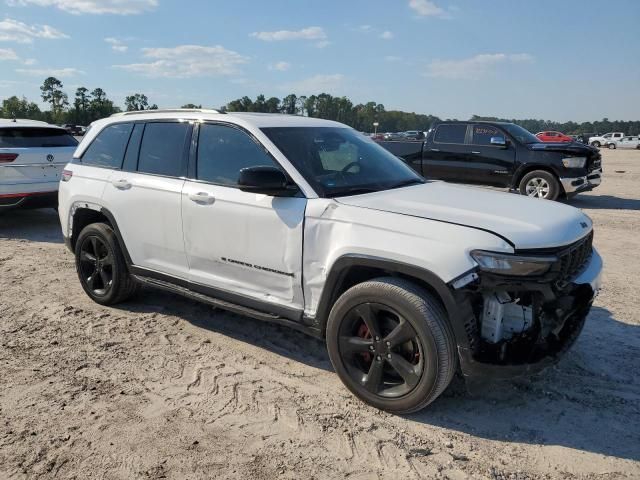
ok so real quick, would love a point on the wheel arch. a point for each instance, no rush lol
(528, 168)
(352, 269)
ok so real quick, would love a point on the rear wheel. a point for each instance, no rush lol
(540, 184)
(612, 146)
(595, 144)
(390, 343)
(101, 266)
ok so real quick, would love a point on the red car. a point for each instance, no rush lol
(553, 137)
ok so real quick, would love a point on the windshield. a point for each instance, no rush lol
(521, 134)
(340, 161)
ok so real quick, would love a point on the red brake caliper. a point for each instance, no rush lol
(364, 332)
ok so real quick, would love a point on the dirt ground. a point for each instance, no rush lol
(163, 387)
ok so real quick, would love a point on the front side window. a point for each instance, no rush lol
(162, 149)
(482, 134)
(223, 151)
(451, 133)
(339, 161)
(521, 134)
(107, 149)
(28, 137)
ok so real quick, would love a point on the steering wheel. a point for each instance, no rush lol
(348, 166)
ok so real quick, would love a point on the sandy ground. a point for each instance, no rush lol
(162, 387)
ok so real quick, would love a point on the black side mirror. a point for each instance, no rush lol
(267, 180)
(499, 142)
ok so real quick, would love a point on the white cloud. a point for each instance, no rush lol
(185, 61)
(316, 84)
(426, 8)
(30, 61)
(386, 35)
(51, 72)
(474, 66)
(94, 7)
(392, 58)
(15, 31)
(323, 43)
(309, 33)
(7, 54)
(280, 66)
(116, 44)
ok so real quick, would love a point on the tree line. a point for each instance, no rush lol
(89, 105)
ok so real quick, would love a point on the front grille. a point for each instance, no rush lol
(572, 260)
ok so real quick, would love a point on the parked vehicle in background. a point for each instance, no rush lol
(502, 155)
(377, 136)
(406, 279)
(413, 135)
(393, 136)
(624, 142)
(32, 157)
(600, 140)
(74, 130)
(551, 137)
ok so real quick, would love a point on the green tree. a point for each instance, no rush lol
(14, 107)
(100, 106)
(52, 93)
(81, 105)
(137, 101)
(191, 105)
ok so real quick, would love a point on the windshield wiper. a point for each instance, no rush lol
(343, 192)
(406, 183)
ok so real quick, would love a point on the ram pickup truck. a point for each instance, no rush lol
(502, 155)
(605, 139)
(308, 223)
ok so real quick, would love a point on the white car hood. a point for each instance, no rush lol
(527, 223)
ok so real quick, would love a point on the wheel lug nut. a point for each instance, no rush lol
(371, 347)
(388, 355)
(388, 344)
(379, 358)
(377, 339)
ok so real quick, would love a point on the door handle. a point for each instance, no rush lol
(202, 197)
(475, 153)
(121, 184)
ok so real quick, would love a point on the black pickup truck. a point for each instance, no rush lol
(502, 155)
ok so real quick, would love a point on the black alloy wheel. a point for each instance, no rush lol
(96, 265)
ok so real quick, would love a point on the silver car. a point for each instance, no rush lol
(625, 142)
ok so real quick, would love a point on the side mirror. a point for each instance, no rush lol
(499, 142)
(267, 180)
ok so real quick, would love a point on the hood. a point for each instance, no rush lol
(573, 148)
(527, 223)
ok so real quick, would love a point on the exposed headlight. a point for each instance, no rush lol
(505, 264)
(574, 162)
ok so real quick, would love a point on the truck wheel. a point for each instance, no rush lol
(391, 344)
(101, 266)
(612, 146)
(596, 144)
(540, 184)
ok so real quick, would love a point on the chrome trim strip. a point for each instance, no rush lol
(52, 165)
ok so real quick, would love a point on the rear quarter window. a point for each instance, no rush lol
(107, 149)
(29, 137)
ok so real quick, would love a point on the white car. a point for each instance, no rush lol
(308, 223)
(32, 156)
(605, 139)
(625, 142)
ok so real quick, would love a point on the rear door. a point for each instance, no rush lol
(32, 158)
(446, 155)
(490, 164)
(145, 196)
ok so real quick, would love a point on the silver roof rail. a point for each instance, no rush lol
(168, 110)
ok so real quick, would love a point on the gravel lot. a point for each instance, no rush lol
(162, 387)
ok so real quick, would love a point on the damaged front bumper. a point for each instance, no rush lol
(575, 185)
(563, 310)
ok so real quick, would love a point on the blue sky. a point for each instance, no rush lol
(551, 59)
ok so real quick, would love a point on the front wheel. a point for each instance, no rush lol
(390, 343)
(101, 266)
(540, 184)
(596, 144)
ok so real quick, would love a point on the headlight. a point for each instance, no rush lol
(574, 162)
(505, 264)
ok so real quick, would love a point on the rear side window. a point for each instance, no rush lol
(35, 138)
(450, 133)
(107, 149)
(224, 151)
(482, 134)
(162, 150)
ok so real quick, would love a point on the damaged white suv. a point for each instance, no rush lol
(308, 223)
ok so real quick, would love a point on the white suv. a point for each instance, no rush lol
(32, 156)
(308, 223)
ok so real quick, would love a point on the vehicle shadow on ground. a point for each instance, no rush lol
(589, 401)
(278, 339)
(39, 225)
(604, 202)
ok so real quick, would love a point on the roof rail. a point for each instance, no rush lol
(168, 110)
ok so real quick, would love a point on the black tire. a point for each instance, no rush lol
(376, 369)
(612, 146)
(540, 184)
(595, 144)
(101, 266)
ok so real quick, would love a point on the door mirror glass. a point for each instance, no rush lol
(267, 180)
(498, 141)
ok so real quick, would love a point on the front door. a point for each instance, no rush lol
(239, 241)
(490, 164)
